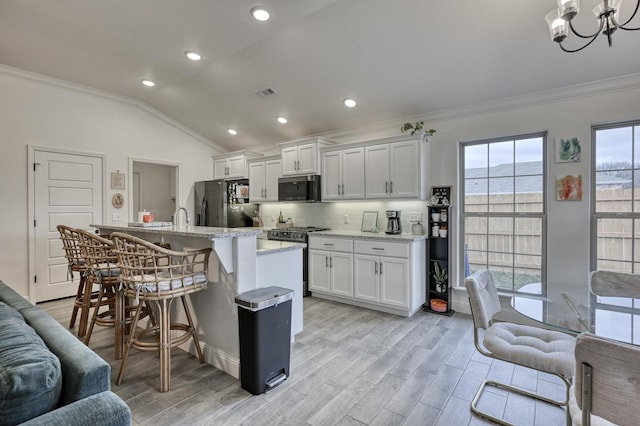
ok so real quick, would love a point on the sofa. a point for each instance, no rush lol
(47, 376)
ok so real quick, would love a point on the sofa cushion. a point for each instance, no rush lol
(30, 375)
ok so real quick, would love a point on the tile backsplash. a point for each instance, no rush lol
(341, 216)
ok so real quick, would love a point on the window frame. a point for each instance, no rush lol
(463, 215)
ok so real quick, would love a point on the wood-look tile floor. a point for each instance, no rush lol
(350, 366)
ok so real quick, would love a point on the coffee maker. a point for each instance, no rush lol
(393, 222)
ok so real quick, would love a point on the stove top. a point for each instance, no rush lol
(293, 233)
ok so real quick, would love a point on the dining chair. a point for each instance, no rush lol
(153, 274)
(615, 284)
(537, 348)
(606, 388)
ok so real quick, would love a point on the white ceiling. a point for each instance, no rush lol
(398, 58)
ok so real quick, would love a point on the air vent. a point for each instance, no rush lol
(265, 92)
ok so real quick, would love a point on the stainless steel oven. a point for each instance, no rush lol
(297, 234)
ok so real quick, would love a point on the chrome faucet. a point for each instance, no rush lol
(175, 215)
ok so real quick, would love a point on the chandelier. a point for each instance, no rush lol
(607, 13)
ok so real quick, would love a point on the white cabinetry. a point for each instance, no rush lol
(263, 179)
(382, 272)
(394, 170)
(331, 266)
(343, 174)
(232, 165)
(372, 273)
(302, 157)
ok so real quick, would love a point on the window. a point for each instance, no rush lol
(615, 235)
(503, 210)
(616, 198)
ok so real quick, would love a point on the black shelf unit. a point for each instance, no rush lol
(438, 252)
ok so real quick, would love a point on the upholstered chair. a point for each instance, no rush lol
(540, 349)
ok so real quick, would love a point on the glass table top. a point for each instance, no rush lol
(577, 311)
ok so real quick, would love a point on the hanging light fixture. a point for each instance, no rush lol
(607, 13)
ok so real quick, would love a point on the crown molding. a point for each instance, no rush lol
(577, 91)
(40, 78)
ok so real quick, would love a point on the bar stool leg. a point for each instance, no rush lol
(165, 345)
(127, 348)
(194, 332)
(96, 308)
(86, 306)
(77, 303)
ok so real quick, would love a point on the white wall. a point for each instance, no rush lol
(43, 113)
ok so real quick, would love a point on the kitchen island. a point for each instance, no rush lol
(238, 263)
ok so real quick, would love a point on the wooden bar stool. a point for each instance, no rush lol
(151, 273)
(84, 296)
(102, 270)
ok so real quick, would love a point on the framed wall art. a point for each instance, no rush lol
(118, 180)
(568, 150)
(569, 188)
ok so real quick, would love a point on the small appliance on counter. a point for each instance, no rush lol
(393, 222)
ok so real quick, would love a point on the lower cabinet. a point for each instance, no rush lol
(381, 275)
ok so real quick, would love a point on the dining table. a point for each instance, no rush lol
(574, 309)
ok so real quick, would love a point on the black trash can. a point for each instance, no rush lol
(264, 324)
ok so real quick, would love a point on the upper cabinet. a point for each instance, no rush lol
(232, 165)
(263, 179)
(302, 157)
(343, 174)
(396, 170)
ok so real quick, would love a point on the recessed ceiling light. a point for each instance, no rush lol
(282, 120)
(260, 13)
(350, 103)
(232, 132)
(148, 83)
(194, 56)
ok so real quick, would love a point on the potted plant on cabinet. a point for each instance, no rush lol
(417, 127)
(440, 277)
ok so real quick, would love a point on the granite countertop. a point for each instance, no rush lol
(271, 246)
(208, 232)
(380, 236)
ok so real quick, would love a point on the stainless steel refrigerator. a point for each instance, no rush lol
(224, 203)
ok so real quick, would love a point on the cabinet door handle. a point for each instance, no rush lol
(342, 188)
(390, 187)
(326, 261)
(375, 268)
(327, 244)
(386, 186)
(380, 268)
(377, 248)
(330, 262)
(338, 189)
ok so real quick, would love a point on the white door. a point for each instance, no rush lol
(220, 168)
(319, 270)
(236, 167)
(290, 160)
(341, 265)
(272, 171)
(366, 282)
(307, 158)
(394, 281)
(404, 164)
(353, 173)
(331, 175)
(376, 169)
(256, 181)
(67, 190)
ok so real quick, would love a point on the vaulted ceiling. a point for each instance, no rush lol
(397, 58)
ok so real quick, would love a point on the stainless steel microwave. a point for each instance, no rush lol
(299, 188)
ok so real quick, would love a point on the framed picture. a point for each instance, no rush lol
(568, 150)
(369, 221)
(440, 196)
(118, 181)
(569, 188)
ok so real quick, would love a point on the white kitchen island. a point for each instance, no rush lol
(239, 263)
